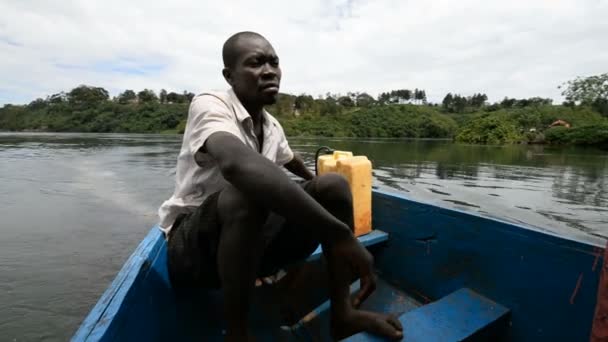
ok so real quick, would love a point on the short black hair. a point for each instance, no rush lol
(229, 54)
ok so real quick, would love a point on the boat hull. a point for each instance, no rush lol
(548, 283)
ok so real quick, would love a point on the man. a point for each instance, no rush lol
(235, 215)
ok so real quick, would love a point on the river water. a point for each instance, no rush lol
(74, 206)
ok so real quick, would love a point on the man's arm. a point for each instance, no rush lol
(264, 182)
(297, 167)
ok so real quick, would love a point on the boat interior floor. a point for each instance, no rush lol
(296, 308)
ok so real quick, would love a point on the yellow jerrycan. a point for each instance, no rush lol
(358, 172)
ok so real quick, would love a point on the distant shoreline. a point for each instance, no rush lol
(488, 125)
(599, 146)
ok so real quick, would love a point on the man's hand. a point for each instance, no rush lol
(297, 167)
(350, 252)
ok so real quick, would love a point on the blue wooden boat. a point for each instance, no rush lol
(449, 276)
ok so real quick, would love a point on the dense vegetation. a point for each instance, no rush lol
(529, 124)
(399, 113)
(387, 121)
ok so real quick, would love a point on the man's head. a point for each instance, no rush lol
(251, 67)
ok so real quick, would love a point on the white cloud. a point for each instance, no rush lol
(516, 49)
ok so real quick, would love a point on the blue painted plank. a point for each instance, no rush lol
(549, 283)
(385, 299)
(372, 238)
(460, 316)
(389, 299)
(101, 322)
(315, 325)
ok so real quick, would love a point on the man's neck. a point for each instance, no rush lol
(256, 111)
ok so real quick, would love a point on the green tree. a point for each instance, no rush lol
(147, 95)
(162, 96)
(365, 100)
(586, 89)
(328, 106)
(459, 104)
(507, 102)
(592, 91)
(478, 100)
(397, 96)
(406, 94)
(188, 95)
(539, 101)
(87, 95)
(37, 104)
(127, 96)
(447, 102)
(384, 98)
(353, 96)
(346, 101)
(285, 105)
(173, 97)
(304, 103)
(422, 96)
(57, 98)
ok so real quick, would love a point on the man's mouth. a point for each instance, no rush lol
(270, 87)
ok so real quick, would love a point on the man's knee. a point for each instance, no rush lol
(334, 188)
(233, 206)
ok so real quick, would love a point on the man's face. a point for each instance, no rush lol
(256, 75)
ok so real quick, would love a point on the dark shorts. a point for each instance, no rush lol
(194, 239)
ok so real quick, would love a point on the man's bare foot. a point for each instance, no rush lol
(358, 320)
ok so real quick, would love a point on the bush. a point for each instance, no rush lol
(390, 121)
(584, 135)
(557, 135)
(489, 129)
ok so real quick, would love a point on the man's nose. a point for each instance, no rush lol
(269, 71)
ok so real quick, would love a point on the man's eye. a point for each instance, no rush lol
(255, 62)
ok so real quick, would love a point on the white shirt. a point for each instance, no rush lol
(198, 174)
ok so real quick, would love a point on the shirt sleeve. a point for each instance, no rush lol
(284, 152)
(207, 115)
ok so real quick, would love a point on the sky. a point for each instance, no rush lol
(511, 48)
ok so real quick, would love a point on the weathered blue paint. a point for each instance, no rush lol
(386, 299)
(434, 251)
(549, 283)
(140, 305)
(372, 238)
(138, 277)
(460, 316)
(315, 325)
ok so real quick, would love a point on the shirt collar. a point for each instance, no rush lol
(241, 112)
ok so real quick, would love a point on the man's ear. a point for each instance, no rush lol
(227, 75)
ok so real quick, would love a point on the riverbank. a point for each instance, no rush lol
(484, 125)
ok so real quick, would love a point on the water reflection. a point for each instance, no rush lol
(562, 190)
(554, 188)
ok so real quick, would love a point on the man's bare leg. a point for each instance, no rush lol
(241, 248)
(333, 192)
(239, 253)
(345, 319)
